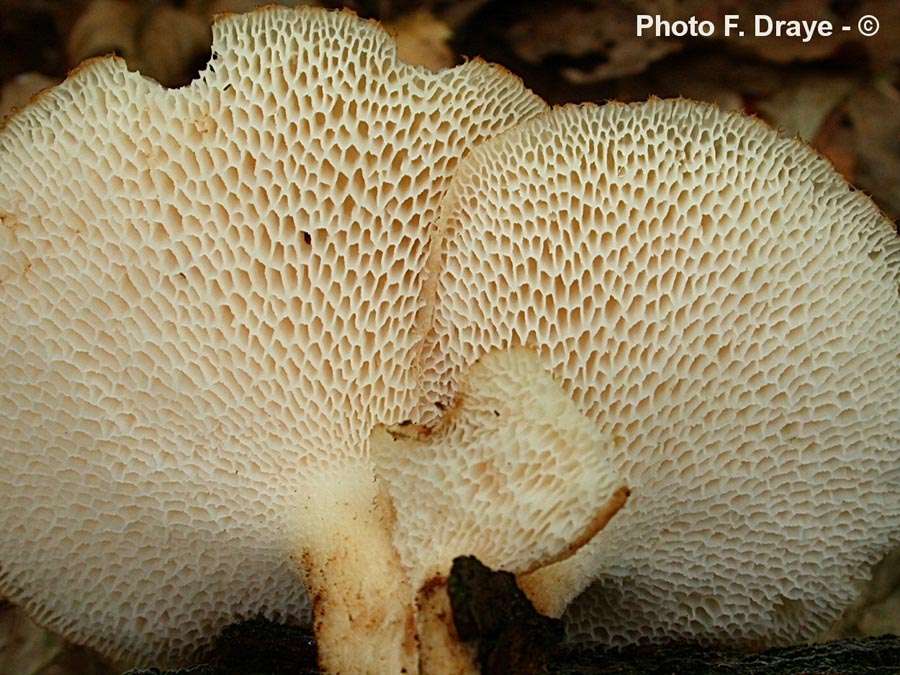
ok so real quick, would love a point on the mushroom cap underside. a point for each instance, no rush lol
(208, 294)
(720, 299)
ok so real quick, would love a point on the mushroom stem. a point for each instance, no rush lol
(363, 603)
(440, 650)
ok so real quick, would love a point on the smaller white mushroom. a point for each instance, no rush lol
(513, 473)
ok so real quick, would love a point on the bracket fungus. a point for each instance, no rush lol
(209, 297)
(221, 306)
(718, 297)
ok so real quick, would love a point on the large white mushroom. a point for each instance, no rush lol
(721, 300)
(208, 298)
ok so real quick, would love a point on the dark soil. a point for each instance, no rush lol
(868, 656)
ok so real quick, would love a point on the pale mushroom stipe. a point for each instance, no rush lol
(221, 305)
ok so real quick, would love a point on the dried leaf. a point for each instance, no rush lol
(105, 27)
(599, 42)
(874, 112)
(802, 104)
(28, 649)
(17, 91)
(836, 141)
(422, 40)
(210, 8)
(173, 43)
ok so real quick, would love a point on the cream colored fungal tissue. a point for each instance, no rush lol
(287, 340)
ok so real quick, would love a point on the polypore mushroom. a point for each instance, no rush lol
(209, 297)
(720, 299)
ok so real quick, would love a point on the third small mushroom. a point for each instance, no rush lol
(287, 341)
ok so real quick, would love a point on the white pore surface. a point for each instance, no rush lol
(206, 295)
(513, 473)
(720, 299)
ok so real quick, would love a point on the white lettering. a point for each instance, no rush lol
(805, 30)
(663, 28)
(731, 23)
(643, 21)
